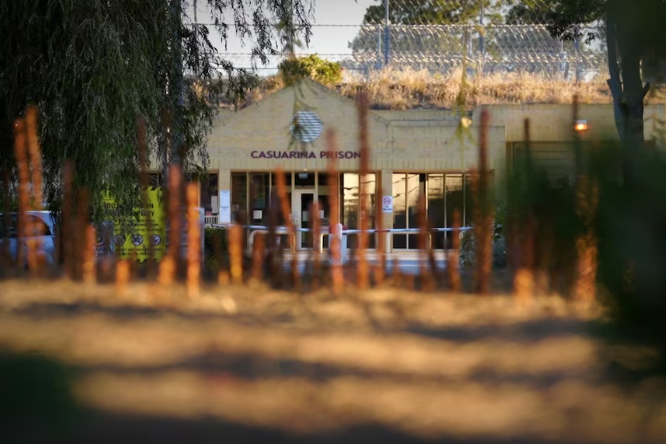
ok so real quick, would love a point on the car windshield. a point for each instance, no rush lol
(9, 224)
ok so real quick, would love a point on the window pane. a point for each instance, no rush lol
(399, 209)
(414, 188)
(324, 202)
(469, 191)
(259, 195)
(287, 179)
(208, 190)
(305, 218)
(454, 202)
(38, 226)
(370, 183)
(239, 197)
(274, 189)
(304, 180)
(350, 203)
(436, 208)
(324, 198)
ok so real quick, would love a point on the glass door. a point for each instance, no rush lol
(301, 201)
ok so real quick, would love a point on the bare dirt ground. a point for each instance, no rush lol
(257, 365)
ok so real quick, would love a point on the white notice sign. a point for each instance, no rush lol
(387, 204)
(225, 206)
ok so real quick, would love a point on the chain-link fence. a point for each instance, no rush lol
(493, 49)
(443, 36)
(485, 36)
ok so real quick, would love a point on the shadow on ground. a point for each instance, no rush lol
(102, 428)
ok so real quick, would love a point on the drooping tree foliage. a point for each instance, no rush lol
(424, 12)
(93, 67)
(635, 38)
(528, 12)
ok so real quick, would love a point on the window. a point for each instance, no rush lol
(304, 180)
(9, 226)
(239, 197)
(259, 197)
(399, 209)
(370, 184)
(455, 203)
(39, 227)
(445, 194)
(251, 197)
(436, 209)
(350, 200)
(208, 190)
(351, 204)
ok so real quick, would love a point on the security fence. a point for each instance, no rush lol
(445, 36)
(483, 36)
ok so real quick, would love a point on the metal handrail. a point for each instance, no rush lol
(264, 230)
(320, 245)
(391, 232)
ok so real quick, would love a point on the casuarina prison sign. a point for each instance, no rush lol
(305, 155)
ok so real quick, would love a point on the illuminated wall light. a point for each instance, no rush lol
(581, 125)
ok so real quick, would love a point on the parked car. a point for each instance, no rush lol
(43, 233)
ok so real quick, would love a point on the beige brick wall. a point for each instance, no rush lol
(550, 123)
(265, 127)
(416, 145)
(423, 140)
(419, 114)
(401, 141)
(426, 141)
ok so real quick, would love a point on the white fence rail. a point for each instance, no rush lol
(209, 221)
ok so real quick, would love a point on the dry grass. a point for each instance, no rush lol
(408, 89)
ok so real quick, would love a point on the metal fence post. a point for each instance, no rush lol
(481, 39)
(378, 63)
(577, 49)
(387, 36)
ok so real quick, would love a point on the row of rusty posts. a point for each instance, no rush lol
(77, 239)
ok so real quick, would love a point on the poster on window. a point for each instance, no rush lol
(225, 206)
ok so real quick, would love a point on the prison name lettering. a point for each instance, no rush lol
(305, 155)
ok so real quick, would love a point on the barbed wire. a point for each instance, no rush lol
(442, 36)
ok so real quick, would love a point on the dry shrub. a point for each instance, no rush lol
(399, 89)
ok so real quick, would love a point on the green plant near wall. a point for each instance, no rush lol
(323, 71)
(467, 253)
(215, 246)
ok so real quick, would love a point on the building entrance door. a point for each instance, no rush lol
(301, 200)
